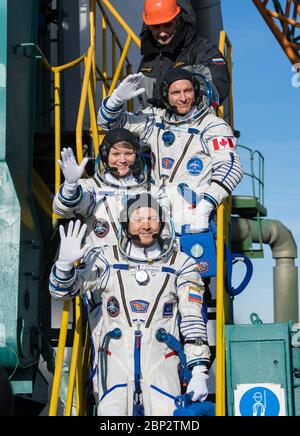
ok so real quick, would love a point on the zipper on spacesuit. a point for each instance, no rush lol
(138, 408)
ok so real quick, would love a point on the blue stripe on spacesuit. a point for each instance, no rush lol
(121, 266)
(230, 167)
(71, 201)
(169, 270)
(65, 280)
(125, 267)
(166, 394)
(114, 110)
(105, 117)
(60, 289)
(93, 203)
(112, 389)
(211, 199)
(196, 362)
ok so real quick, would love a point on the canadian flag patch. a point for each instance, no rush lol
(221, 143)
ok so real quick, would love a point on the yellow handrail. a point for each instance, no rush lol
(82, 104)
(59, 359)
(76, 365)
(88, 92)
(220, 315)
(120, 65)
(226, 49)
(131, 36)
(125, 26)
(223, 218)
(92, 16)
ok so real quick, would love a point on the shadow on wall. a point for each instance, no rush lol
(6, 395)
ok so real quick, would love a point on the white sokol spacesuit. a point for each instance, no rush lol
(145, 292)
(98, 200)
(197, 149)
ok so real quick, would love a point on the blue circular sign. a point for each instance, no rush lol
(195, 166)
(259, 401)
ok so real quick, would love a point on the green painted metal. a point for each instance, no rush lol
(3, 44)
(284, 250)
(9, 224)
(296, 366)
(19, 230)
(247, 206)
(259, 353)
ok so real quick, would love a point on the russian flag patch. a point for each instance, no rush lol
(195, 294)
(219, 61)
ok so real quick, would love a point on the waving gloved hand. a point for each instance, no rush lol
(198, 383)
(199, 219)
(128, 89)
(69, 166)
(70, 246)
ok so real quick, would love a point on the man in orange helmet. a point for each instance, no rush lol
(170, 39)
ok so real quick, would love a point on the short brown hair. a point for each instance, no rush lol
(125, 144)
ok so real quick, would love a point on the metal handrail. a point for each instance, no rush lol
(82, 104)
(117, 70)
(88, 92)
(223, 220)
(125, 26)
(260, 179)
(59, 359)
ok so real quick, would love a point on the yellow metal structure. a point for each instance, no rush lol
(93, 74)
(283, 18)
(223, 223)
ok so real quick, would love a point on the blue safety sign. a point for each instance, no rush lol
(260, 400)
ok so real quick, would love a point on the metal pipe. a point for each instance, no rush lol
(209, 18)
(284, 250)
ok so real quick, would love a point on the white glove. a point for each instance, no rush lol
(199, 219)
(70, 246)
(71, 170)
(128, 89)
(198, 383)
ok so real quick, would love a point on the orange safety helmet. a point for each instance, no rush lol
(160, 11)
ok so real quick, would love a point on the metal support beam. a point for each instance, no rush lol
(284, 22)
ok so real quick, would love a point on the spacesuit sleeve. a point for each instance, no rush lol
(91, 274)
(227, 171)
(140, 123)
(193, 323)
(82, 203)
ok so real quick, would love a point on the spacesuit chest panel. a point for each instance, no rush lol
(187, 158)
(128, 301)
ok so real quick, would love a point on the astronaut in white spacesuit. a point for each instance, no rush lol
(191, 147)
(150, 292)
(98, 200)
